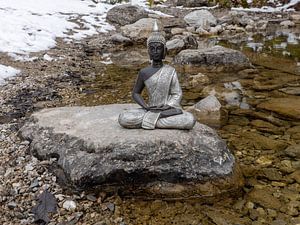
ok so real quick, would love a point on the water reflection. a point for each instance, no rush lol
(276, 42)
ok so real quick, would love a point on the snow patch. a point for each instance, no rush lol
(33, 25)
(285, 7)
(7, 71)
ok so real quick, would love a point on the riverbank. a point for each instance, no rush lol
(72, 74)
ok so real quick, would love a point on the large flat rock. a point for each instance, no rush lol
(94, 150)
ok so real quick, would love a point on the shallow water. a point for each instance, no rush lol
(256, 133)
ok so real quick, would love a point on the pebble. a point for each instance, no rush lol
(69, 205)
(287, 24)
(249, 205)
(12, 205)
(110, 206)
(34, 184)
(91, 198)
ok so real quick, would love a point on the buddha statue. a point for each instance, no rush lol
(163, 109)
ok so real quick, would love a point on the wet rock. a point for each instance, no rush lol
(126, 14)
(193, 3)
(266, 127)
(291, 90)
(295, 18)
(170, 23)
(129, 58)
(176, 30)
(264, 198)
(270, 80)
(272, 213)
(194, 84)
(202, 32)
(118, 38)
(140, 30)
(278, 222)
(271, 174)
(224, 217)
(293, 151)
(287, 107)
(200, 18)
(287, 24)
(294, 132)
(208, 105)
(174, 46)
(292, 208)
(250, 140)
(262, 25)
(216, 58)
(234, 29)
(92, 149)
(286, 166)
(296, 176)
(216, 30)
(190, 42)
(249, 28)
(208, 111)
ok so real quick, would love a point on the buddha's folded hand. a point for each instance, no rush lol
(170, 112)
(159, 108)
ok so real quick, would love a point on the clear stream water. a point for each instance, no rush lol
(256, 136)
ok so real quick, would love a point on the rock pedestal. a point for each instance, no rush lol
(94, 151)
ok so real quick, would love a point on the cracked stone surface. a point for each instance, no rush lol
(94, 150)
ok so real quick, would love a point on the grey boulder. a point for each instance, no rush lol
(193, 3)
(200, 18)
(95, 151)
(216, 58)
(141, 29)
(126, 14)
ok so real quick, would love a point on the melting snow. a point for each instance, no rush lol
(33, 25)
(7, 71)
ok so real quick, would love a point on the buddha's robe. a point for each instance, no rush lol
(163, 89)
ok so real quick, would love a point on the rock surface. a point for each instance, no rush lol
(286, 107)
(140, 30)
(126, 14)
(93, 149)
(193, 3)
(208, 111)
(200, 18)
(216, 58)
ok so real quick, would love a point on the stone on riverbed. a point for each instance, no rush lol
(286, 107)
(95, 152)
(216, 58)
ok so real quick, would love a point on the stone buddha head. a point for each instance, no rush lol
(156, 44)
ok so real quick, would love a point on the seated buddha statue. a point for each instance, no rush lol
(163, 108)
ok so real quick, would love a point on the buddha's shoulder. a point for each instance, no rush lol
(145, 70)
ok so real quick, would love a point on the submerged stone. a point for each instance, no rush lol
(95, 151)
(286, 107)
(208, 111)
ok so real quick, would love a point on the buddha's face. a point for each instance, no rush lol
(156, 51)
